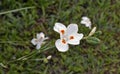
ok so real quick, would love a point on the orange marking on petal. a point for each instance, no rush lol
(71, 37)
(63, 41)
(62, 31)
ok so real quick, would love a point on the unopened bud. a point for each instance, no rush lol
(49, 57)
(92, 32)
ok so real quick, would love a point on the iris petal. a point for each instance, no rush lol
(59, 27)
(38, 46)
(40, 35)
(76, 39)
(34, 41)
(61, 46)
(72, 28)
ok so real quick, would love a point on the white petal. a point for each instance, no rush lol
(34, 41)
(58, 27)
(46, 38)
(88, 24)
(60, 46)
(40, 35)
(84, 22)
(72, 28)
(76, 39)
(85, 18)
(38, 46)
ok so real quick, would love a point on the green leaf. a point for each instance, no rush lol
(45, 60)
(93, 40)
(98, 32)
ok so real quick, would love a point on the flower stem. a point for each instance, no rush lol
(30, 55)
(85, 37)
(43, 28)
(15, 10)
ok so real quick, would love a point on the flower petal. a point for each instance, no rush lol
(72, 28)
(88, 25)
(86, 21)
(46, 38)
(60, 46)
(58, 27)
(85, 18)
(38, 46)
(75, 39)
(40, 35)
(34, 41)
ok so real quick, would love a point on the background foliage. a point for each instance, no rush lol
(18, 28)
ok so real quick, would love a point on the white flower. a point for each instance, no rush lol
(86, 21)
(39, 40)
(68, 35)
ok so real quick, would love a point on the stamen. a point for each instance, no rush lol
(71, 37)
(63, 41)
(62, 31)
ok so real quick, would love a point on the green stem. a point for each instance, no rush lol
(37, 52)
(1, 64)
(85, 37)
(43, 28)
(30, 55)
(43, 11)
(15, 10)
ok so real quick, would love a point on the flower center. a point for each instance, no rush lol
(63, 41)
(71, 37)
(39, 40)
(62, 31)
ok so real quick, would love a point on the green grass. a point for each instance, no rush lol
(18, 28)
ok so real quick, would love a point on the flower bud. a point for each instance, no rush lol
(49, 57)
(92, 32)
